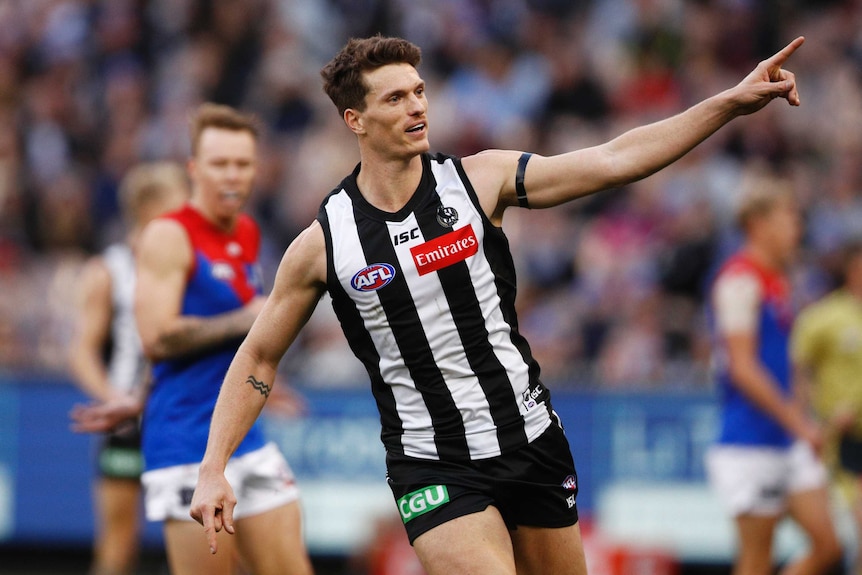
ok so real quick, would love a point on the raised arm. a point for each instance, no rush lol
(299, 284)
(634, 155)
(164, 260)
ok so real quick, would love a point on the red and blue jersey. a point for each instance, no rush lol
(223, 277)
(765, 295)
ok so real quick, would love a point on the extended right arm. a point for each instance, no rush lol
(164, 259)
(299, 284)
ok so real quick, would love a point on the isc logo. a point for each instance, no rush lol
(373, 277)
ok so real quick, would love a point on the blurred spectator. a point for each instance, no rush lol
(90, 87)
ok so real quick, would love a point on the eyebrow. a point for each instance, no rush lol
(399, 91)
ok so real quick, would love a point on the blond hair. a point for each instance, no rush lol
(209, 115)
(149, 182)
(761, 192)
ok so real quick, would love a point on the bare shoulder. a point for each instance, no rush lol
(492, 173)
(163, 230)
(304, 261)
(164, 240)
(490, 165)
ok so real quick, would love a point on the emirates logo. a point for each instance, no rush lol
(456, 246)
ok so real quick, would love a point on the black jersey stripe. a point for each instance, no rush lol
(363, 347)
(470, 323)
(499, 256)
(403, 318)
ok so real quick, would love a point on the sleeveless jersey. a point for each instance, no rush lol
(127, 367)
(223, 277)
(426, 299)
(742, 422)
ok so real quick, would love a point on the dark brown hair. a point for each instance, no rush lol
(342, 76)
(209, 115)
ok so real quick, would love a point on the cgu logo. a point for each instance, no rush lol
(422, 501)
(373, 277)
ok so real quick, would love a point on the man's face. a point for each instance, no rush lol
(783, 230)
(395, 118)
(222, 171)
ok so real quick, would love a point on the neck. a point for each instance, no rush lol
(763, 257)
(224, 223)
(389, 184)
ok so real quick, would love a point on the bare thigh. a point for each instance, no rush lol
(541, 550)
(189, 554)
(812, 512)
(478, 544)
(755, 535)
(271, 543)
(118, 502)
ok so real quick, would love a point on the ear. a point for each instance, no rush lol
(354, 121)
(191, 168)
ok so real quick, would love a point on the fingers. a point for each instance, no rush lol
(227, 516)
(781, 56)
(785, 87)
(212, 525)
(214, 519)
(792, 95)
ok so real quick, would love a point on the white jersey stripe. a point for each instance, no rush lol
(451, 375)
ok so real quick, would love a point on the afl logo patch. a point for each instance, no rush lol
(233, 249)
(373, 277)
(446, 216)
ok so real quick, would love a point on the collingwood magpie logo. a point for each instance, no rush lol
(446, 216)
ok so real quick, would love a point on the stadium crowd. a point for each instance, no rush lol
(611, 287)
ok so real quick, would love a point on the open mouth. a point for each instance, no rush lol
(416, 128)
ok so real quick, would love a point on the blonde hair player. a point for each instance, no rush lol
(106, 320)
(765, 462)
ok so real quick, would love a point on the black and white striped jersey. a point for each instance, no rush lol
(426, 299)
(127, 366)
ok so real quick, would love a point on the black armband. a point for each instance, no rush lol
(519, 180)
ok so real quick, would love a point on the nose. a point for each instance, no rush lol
(417, 105)
(232, 172)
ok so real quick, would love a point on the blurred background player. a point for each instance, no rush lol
(827, 354)
(765, 462)
(199, 291)
(107, 361)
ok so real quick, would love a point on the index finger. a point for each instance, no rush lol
(209, 517)
(781, 57)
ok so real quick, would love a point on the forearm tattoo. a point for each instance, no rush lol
(263, 388)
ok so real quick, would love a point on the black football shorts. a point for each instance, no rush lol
(535, 486)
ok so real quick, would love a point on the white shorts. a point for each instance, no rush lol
(261, 480)
(758, 480)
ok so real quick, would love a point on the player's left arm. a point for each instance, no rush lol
(634, 155)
